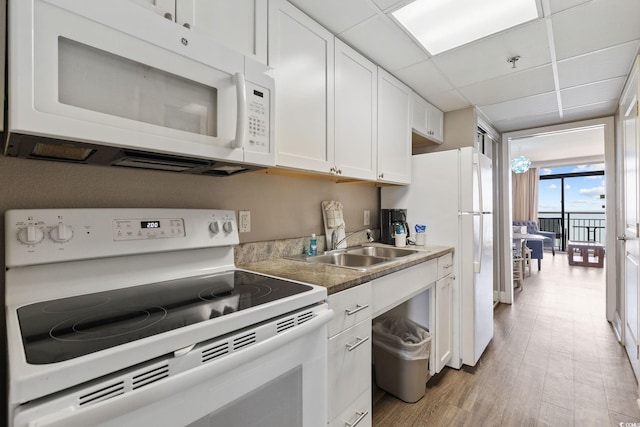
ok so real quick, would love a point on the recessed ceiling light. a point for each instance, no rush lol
(441, 25)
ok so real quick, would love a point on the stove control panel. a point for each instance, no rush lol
(147, 228)
(39, 236)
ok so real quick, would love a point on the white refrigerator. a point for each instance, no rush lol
(451, 193)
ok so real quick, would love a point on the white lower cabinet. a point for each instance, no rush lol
(358, 413)
(444, 323)
(349, 382)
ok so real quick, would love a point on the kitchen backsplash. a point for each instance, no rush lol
(260, 251)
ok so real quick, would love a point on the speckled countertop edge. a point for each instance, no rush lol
(337, 279)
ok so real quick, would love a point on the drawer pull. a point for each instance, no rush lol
(360, 415)
(357, 309)
(359, 342)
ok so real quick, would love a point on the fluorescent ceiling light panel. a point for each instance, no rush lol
(441, 25)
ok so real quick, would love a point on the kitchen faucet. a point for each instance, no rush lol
(334, 238)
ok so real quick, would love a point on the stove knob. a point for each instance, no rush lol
(214, 227)
(227, 227)
(30, 235)
(61, 233)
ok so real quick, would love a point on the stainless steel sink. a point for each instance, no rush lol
(379, 251)
(344, 259)
(361, 258)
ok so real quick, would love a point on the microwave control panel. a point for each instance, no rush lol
(258, 120)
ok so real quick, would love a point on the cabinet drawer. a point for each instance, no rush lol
(358, 411)
(349, 366)
(445, 265)
(394, 289)
(349, 307)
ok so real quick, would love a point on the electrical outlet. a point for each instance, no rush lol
(244, 220)
(367, 217)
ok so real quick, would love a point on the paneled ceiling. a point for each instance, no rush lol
(573, 61)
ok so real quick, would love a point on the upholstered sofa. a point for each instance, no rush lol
(532, 228)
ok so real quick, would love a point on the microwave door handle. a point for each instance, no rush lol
(241, 120)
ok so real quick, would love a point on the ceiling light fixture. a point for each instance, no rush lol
(520, 164)
(441, 25)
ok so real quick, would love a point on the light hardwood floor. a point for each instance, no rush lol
(553, 361)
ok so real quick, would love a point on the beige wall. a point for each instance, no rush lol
(281, 207)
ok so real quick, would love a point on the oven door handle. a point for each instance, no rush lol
(109, 410)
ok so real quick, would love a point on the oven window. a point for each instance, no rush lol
(278, 403)
(99, 81)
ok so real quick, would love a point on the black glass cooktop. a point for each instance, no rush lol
(53, 331)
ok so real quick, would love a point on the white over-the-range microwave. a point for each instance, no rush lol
(108, 82)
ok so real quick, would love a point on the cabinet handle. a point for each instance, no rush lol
(357, 309)
(360, 415)
(169, 16)
(187, 25)
(381, 176)
(359, 342)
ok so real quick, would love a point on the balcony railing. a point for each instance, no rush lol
(581, 226)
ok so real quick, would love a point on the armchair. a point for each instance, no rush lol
(532, 228)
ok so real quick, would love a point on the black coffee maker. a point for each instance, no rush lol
(389, 220)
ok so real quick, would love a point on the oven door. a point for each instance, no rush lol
(279, 382)
(113, 74)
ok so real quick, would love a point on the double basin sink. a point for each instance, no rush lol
(361, 258)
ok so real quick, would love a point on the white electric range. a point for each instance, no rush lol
(139, 317)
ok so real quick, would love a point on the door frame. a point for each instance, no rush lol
(504, 172)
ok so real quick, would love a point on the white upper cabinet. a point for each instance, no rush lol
(427, 121)
(394, 130)
(239, 24)
(302, 53)
(356, 98)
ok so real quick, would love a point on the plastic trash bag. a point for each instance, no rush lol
(402, 337)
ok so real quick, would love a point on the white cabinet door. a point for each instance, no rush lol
(349, 366)
(444, 322)
(394, 129)
(419, 115)
(435, 123)
(356, 107)
(301, 52)
(238, 24)
(166, 8)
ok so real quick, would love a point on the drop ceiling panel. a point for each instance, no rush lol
(606, 90)
(487, 58)
(424, 78)
(600, 65)
(595, 25)
(522, 107)
(449, 101)
(384, 43)
(560, 5)
(388, 4)
(336, 15)
(600, 109)
(514, 86)
(528, 122)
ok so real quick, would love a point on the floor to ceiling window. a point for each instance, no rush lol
(571, 203)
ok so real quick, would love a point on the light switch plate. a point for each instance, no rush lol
(367, 217)
(244, 221)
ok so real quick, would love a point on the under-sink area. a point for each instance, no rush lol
(361, 258)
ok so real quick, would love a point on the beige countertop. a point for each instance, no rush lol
(337, 279)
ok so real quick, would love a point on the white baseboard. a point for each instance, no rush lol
(500, 296)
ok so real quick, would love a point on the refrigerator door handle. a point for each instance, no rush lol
(477, 263)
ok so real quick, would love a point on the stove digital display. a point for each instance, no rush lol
(150, 224)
